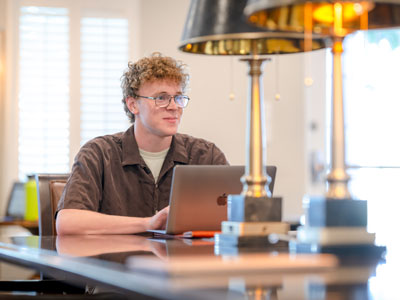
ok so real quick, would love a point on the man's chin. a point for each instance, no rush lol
(171, 132)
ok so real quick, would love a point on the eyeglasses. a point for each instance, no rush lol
(164, 100)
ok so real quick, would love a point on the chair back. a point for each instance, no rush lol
(49, 189)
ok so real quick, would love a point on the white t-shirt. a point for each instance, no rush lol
(154, 160)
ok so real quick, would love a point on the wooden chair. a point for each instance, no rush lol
(49, 188)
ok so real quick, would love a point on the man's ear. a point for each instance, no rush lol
(131, 104)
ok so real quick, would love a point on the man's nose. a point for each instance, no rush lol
(172, 105)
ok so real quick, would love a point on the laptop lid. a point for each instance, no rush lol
(198, 199)
(16, 202)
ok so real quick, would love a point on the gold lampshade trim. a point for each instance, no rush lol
(243, 43)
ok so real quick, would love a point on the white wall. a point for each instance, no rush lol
(213, 116)
(2, 140)
(210, 113)
(8, 107)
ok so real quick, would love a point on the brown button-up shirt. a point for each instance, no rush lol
(110, 176)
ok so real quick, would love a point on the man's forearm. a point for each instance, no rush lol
(77, 221)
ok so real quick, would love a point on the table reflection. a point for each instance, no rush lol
(94, 245)
(129, 245)
(352, 279)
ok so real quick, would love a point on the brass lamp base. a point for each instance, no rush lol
(260, 235)
(251, 221)
(365, 253)
(254, 209)
(228, 244)
(327, 212)
(336, 226)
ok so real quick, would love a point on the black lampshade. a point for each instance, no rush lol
(219, 27)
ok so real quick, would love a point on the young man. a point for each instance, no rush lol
(121, 183)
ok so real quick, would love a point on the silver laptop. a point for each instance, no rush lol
(16, 203)
(198, 199)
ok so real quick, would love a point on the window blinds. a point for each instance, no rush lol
(104, 56)
(45, 82)
(43, 90)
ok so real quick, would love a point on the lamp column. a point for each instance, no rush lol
(255, 180)
(337, 177)
(253, 214)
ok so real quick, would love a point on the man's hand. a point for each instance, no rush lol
(159, 220)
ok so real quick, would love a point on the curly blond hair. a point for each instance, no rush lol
(147, 69)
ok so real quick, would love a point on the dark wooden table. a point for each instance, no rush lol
(103, 261)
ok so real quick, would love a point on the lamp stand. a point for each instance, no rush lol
(337, 222)
(253, 214)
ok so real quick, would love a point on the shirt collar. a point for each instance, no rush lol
(131, 155)
(130, 149)
(178, 150)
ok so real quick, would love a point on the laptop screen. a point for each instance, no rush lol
(16, 201)
(199, 193)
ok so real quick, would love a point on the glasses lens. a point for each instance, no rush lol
(181, 100)
(163, 100)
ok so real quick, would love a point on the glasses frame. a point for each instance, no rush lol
(169, 101)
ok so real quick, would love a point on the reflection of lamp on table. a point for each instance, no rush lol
(350, 282)
(336, 219)
(238, 286)
(216, 27)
